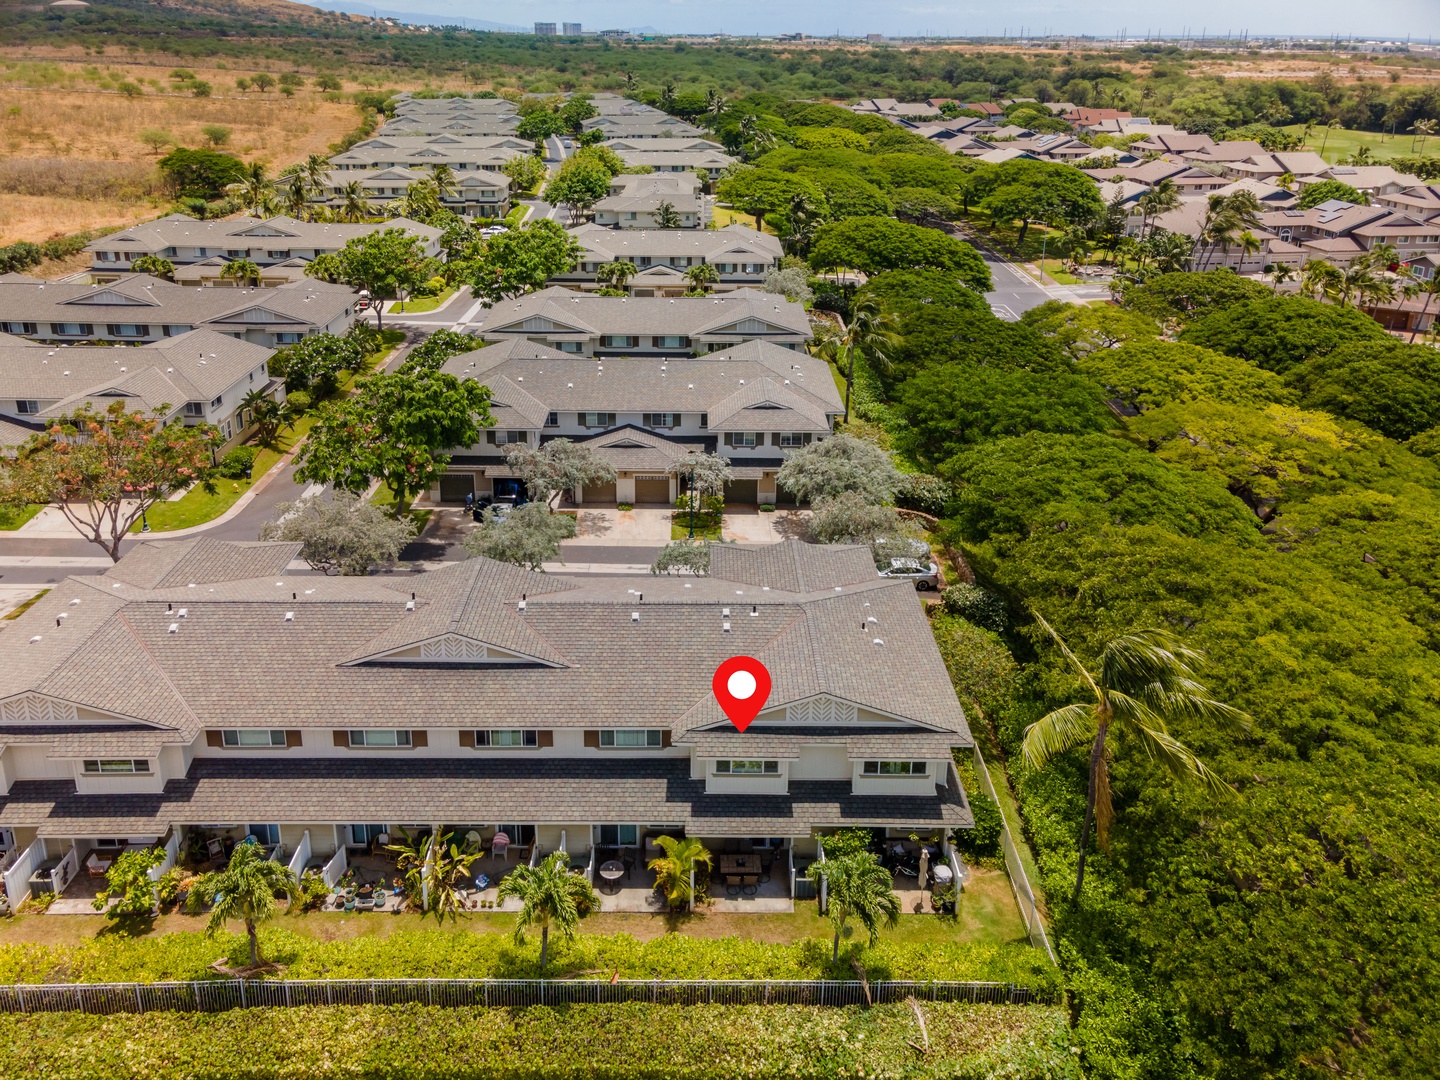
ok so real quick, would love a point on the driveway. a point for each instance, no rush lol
(644, 526)
(747, 525)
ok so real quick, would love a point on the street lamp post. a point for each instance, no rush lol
(144, 525)
(692, 501)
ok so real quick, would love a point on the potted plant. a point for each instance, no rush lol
(942, 901)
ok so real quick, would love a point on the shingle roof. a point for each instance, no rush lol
(700, 318)
(709, 244)
(179, 230)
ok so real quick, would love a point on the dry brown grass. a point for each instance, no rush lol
(43, 217)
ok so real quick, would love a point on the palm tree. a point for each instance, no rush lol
(715, 107)
(156, 265)
(666, 216)
(256, 192)
(297, 194)
(1160, 199)
(1423, 129)
(872, 334)
(1170, 252)
(667, 95)
(553, 897)
(1250, 244)
(701, 276)
(616, 274)
(1318, 279)
(1357, 281)
(244, 890)
(353, 204)
(1333, 125)
(434, 871)
(1430, 287)
(752, 136)
(444, 178)
(240, 271)
(673, 869)
(315, 170)
(1144, 682)
(266, 414)
(1279, 274)
(857, 886)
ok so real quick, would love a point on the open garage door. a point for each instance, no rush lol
(742, 493)
(455, 486)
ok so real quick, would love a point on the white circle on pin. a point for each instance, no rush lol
(741, 685)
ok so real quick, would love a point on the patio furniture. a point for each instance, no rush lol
(627, 860)
(943, 874)
(215, 849)
(500, 845)
(473, 839)
(482, 882)
(96, 865)
(612, 872)
(732, 885)
(750, 884)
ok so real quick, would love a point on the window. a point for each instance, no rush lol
(277, 254)
(704, 420)
(619, 341)
(366, 834)
(740, 438)
(253, 737)
(194, 408)
(597, 419)
(793, 438)
(552, 419)
(896, 768)
(619, 835)
(623, 738)
(571, 346)
(503, 438)
(662, 420)
(19, 327)
(25, 408)
(236, 253)
(288, 338)
(671, 341)
(748, 768)
(382, 737)
(72, 329)
(117, 765)
(507, 737)
(266, 834)
(128, 330)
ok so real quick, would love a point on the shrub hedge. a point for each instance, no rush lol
(410, 954)
(594, 1042)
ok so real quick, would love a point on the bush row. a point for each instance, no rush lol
(410, 954)
(596, 1042)
(22, 255)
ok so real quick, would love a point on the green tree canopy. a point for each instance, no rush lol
(761, 191)
(1044, 191)
(1387, 385)
(1315, 194)
(951, 406)
(521, 260)
(1144, 374)
(200, 174)
(839, 464)
(340, 533)
(1278, 332)
(527, 536)
(1190, 296)
(398, 428)
(874, 245)
(384, 263)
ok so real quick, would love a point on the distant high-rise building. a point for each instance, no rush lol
(571, 29)
(875, 38)
(545, 29)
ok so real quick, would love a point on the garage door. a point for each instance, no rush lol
(455, 486)
(742, 492)
(598, 493)
(652, 491)
(784, 497)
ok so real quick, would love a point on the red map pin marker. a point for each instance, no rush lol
(741, 685)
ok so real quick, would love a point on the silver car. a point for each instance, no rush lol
(924, 575)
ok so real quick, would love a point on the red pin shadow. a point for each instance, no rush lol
(741, 685)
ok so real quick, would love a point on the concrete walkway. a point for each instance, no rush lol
(622, 528)
(748, 526)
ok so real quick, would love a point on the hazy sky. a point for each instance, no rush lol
(1372, 18)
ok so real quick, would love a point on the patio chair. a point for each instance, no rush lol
(767, 860)
(732, 885)
(750, 884)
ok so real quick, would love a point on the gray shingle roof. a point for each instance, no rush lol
(698, 318)
(712, 245)
(180, 230)
(462, 791)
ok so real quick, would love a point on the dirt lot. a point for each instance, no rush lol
(71, 155)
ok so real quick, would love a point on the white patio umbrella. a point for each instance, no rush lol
(924, 864)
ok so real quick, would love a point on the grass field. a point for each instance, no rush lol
(12, 518)
(415, 307)
(1342, 142)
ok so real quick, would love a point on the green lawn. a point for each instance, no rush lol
(1055, 270)
(1342, 142)
(385, 497)
(415, 307)
(11, 518)
(680, 527)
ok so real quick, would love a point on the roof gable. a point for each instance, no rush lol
(112, 298)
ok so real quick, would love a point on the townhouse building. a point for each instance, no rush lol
(617, 326)
(651, 124)
(198, 694)
(458, 153)
(142, 309)
(662, 156)
(741, 257)
(474, 194)
(278, 245)
(198, 377)
(635, 200)
(752, 403)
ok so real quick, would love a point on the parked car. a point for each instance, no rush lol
(926, 575)
(502, 505)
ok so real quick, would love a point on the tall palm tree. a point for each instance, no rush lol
(256, 191)
(1357, 281)
(1160, 199)
(353, 204)
(297, 194)
(445, 182)
(1144, 682)
(1430, 287)
(244, 890)
(1249, 244)
(1279, 274)
(872, 334)
(1333, 125)
(1318, 279)
(715, 107)
(1423, 129)
(701, 276)
(858, 887)
(673, 869)
(315, 169)
(553, 897)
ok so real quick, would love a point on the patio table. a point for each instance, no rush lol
(612, 871)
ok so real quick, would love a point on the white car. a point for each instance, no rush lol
(924, 575)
